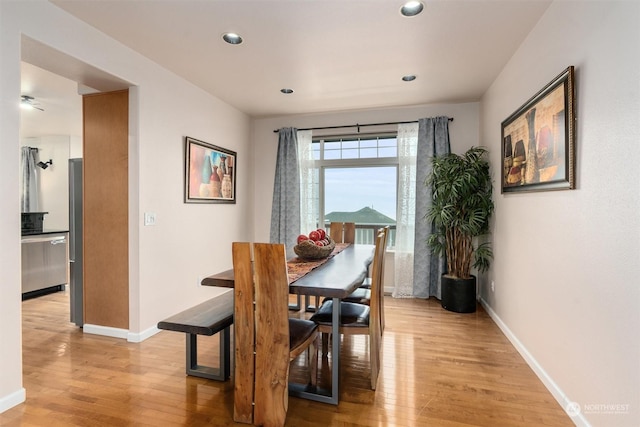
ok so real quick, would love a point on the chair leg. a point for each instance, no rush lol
(325, 343)
(312, 352)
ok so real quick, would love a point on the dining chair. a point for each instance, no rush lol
(362, 295)
(266, 339)
(358, 319)
(343, 232)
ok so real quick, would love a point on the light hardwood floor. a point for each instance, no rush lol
(439, 369)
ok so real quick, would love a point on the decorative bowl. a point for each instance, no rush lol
(309, 250)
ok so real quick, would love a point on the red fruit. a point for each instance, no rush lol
(323, 233)
(319, 243)
(314, 235)
(302, 238)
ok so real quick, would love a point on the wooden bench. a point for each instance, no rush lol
(208, 318)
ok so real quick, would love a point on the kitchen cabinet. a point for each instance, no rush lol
(44, 261)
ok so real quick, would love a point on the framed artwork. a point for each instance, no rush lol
(210, 173)
(538, 140)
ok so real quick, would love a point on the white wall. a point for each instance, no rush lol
(189, 241)
(567, 263)
(463, 132)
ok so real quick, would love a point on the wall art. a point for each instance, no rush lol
(210, 173)
(538, 140)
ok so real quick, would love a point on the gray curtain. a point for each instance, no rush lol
(433, 140)
(285, 210)
(29, 181)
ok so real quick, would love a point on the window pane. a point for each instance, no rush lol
(349, 144)
(387, 142)
(331, 154)
(388, 152)
(368, 143)
(350, 154)
(364, 195)
(369, 153)
(332, 145)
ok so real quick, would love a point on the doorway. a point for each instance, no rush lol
(80, 79)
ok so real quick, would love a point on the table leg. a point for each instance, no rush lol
(335, 351)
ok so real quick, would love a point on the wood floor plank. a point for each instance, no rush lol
(438, 369)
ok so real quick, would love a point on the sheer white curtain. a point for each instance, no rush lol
(308, 183)
(406, 210)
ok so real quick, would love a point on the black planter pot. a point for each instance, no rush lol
(459, 295)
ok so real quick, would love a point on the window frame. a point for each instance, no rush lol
(322, 164)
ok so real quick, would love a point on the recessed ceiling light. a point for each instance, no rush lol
(232, 38)
(408, 78)
(286, 91)
(412, 8)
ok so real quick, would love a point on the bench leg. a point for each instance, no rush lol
(219, 374)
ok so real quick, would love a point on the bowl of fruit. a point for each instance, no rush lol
(315, 245)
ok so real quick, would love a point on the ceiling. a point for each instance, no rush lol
(335, 54)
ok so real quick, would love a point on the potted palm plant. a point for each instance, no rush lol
(461, 208)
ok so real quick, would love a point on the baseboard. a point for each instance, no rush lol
(12, 400)
(567, 405)
(106, 331)
(141, 336)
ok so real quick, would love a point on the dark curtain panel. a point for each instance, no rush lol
(29, 190)
(433, 140)
(285, 210)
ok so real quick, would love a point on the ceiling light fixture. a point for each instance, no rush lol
(286, 91)
(232, 38)
(28, 103)
(411, 8)
(409, 78)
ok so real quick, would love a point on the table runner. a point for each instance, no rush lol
(298, 267)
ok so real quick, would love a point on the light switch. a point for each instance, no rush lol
(149, 218)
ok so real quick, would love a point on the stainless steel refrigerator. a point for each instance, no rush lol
(75, 241)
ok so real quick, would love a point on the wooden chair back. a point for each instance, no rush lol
(349, 232)
(376, 305)
(343, 232)
(261, 380)
(385, 238)
(335, 231)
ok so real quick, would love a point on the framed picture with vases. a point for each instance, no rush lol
(538, 140)
(210, 173)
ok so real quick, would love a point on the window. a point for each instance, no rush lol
(357, 182)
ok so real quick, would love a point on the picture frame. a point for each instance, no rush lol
(210, 173)
(538, 140)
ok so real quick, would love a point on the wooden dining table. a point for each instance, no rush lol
(336, 278)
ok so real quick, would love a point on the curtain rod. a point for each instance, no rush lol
(361, 125)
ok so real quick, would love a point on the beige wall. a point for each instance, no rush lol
(567, 262)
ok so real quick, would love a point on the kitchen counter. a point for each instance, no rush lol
(36, 233)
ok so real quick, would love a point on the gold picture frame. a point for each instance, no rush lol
(538, 140)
